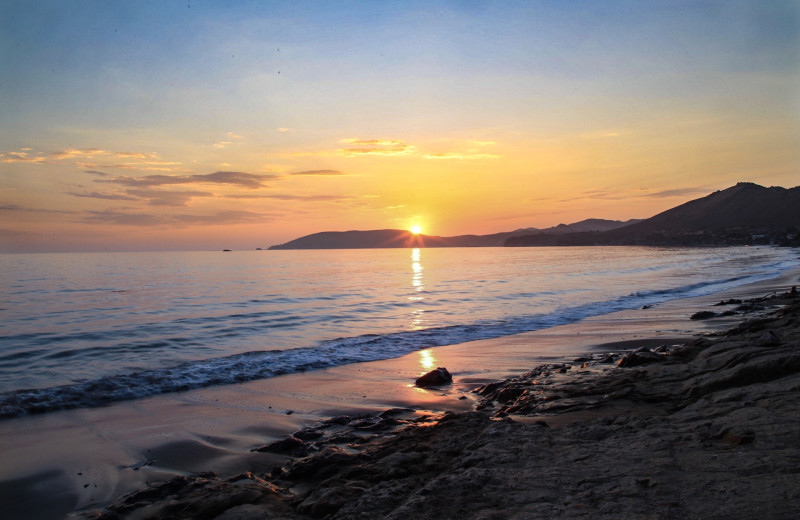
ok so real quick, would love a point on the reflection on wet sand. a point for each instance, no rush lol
(426, 359)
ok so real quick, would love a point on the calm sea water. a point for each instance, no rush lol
(87, 329)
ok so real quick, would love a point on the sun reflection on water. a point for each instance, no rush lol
(416, 284)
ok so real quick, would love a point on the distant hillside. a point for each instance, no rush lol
(392, 238)
(743, 214)
(591, 224)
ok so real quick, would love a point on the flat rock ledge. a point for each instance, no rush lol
(709, 429)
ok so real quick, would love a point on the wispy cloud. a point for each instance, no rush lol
(158, 166)
(16, 207)
(222, 217)
(21, 156)
(126, 219)
(103, 196)
(358, 147)
(279, 196)
(88, 159)
(241, 179)
(598, 195)
(460, 156)
(151, 220)
(679, 192)
(473, 152)
(83, 153)
(231, 139)
(168, 198)
(319, 172)
(614, 194)
(310, 198)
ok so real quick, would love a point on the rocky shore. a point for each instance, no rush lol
(707, 429)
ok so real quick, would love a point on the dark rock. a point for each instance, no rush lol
(750, 307)
(322, 465)
(437, 377)
(509, 394)
(251, 512)
(636, 358)
(703, 315)
(291, 445)
(739, 439)
(308, 434)
(768, 339)
(394, 411)
(488, 388)
(732, 301)
(327, 501)
(340, 420)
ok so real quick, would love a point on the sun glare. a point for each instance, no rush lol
(416, 230)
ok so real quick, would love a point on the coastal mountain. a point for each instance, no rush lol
(392, 238)
(743, 214)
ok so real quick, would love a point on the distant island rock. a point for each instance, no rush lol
(740, 215)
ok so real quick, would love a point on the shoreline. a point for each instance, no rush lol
(704, 429)
(142, 442)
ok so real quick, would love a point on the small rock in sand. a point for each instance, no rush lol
(437, 377)
(703, 315)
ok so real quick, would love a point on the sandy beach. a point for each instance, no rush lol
(75, 463)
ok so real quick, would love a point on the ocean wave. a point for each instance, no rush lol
(256, 365)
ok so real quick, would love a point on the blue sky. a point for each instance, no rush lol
(534, 112)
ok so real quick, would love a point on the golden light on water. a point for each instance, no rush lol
(418, 287)
(426, 360)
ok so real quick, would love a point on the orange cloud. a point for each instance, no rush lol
(21, 156)
(461, 156)
(375, 147)
(168, 198)
(103, 196)
(183, 220)
(159, 166)
(241, 179)
(319, 172)
(75, 153)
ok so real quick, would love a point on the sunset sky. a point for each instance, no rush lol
(143, 125)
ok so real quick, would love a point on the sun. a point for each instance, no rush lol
(416, 230)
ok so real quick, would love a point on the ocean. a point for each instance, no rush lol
(88, 329)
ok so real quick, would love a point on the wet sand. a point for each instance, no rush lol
(83, 459)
